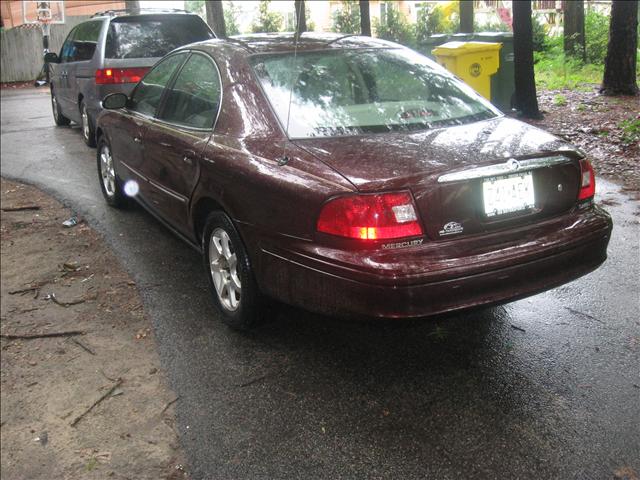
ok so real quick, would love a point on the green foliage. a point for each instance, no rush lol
(630, 130)
(396, 28)
(559, 100)
(346, 19)
(596, 28)
(267, 21)
(231, 19)
(539, 35)
(195, 6)
(432, 19)
(495, 26)
(555, 71)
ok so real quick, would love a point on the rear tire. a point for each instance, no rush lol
(88, 132)
(110, 184)
(60, 119)
(233, 286)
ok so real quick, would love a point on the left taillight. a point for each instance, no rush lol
(587, 181)
(106, 76)
(370, 217)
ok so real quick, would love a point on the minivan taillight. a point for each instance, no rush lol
(587, 181)
(105, 76)
(370, 217)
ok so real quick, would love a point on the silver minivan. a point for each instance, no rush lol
(109, 53)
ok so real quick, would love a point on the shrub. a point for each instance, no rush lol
(267, 21)
(231, 18)
(539, 35)
(431, 20)
(396, 28)
(346, 19)
(596, 28)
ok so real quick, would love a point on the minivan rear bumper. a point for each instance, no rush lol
(415, 284)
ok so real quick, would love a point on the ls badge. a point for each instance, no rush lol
(451, 228)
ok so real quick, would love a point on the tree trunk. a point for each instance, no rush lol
(620, 63)
(466, 16)
(215, 17)
(132, 5)
(301, 19)
(574, 37)
(365, 18)
(526, 100)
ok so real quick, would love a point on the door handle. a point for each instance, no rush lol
(137, 139)
(188, 157)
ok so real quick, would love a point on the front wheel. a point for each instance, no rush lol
(233, 285)
(88, 134)
(58, 117)
(110, 184)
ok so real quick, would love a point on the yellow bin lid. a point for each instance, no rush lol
(455, 49)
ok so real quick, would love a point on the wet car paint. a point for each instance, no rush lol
(275, 201)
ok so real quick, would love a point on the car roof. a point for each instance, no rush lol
(308, 41)
(143, 12)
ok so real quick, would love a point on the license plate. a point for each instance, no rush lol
(508, 194)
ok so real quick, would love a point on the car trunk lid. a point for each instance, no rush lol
(446, 170)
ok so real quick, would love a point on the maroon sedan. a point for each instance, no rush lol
(348, 176)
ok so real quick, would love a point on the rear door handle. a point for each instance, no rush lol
(137, 139)
(188, 156)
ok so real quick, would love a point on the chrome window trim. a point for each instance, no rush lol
(504, 168)
(160, 110)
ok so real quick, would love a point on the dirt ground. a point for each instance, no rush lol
(594, 123)
(60, 280)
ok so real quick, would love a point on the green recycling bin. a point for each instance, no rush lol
(502, 83)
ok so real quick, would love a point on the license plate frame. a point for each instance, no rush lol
(508, 194)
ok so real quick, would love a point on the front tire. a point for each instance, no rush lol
(88, 132)
(234, 289)
(58, 117)
(110, 184)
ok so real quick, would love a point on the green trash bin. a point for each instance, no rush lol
(502, 83)
(432, 42)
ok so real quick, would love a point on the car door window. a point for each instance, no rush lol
(67, 52)
(85, 40)
(146, 97)
(195, 96)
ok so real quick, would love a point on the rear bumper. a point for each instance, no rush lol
(418, 285)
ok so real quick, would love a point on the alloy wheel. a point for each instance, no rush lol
(107, 171)
(223, 263)
(54, 105)
(86, 131)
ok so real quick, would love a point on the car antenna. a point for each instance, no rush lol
(283, 160)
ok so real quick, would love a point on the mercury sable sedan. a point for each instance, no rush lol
(348, 176)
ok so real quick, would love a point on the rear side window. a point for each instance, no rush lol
(81, 44)
(146, 97)
(194, 99)
(153, 35)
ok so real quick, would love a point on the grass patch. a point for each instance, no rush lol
(554, 71)
(630, 130)
(559, 100)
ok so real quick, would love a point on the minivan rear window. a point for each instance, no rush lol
(153, 35)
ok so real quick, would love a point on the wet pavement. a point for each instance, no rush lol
(546, 387)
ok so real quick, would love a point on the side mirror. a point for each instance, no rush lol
(114, 101)
(51, 57)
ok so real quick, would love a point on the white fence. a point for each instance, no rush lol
(21, 49)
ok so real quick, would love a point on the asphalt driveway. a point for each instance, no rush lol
(547, 387)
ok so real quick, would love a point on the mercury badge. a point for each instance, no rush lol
(451, 228)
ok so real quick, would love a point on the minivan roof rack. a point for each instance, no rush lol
(113, 13)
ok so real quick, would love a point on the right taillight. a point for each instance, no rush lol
(107, 76)
(370, 217)
(587, 181)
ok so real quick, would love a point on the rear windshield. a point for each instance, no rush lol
(350, 92)
(153, 35)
